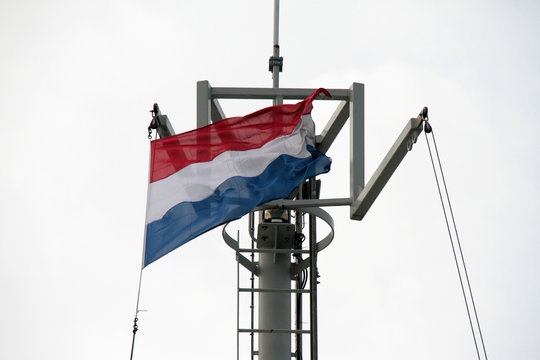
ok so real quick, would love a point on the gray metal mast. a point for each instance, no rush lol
(278, 240)
(275, 268)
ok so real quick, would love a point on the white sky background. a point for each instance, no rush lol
(77, 80)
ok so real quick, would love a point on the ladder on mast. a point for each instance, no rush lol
(284, 235)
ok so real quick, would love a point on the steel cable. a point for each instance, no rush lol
(459, 245)
(429, 129)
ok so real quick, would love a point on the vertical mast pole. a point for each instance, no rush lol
(313, 274)
(275, 268)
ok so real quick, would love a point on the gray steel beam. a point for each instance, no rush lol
(296, 204)
(356, 156)
(288, 291)
(250, 265)
(387, 167)
(271, 93)
(277, 251)
(275, 331)
(333, 127)
(203, 103)
(217, 113)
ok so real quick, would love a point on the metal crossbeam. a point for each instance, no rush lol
(276, 331)
(272, 93)
(274, 290)
(296, 204)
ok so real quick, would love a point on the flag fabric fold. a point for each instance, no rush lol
(210, 176)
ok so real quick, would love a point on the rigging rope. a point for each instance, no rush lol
(429, 129)
(135, 326)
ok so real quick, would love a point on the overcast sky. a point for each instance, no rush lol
(77, 81)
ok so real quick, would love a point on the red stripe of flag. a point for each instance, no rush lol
(252, 131)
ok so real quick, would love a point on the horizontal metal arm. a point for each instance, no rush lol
(259, 290)
(295, 204)
(272, 93)
(276, 331)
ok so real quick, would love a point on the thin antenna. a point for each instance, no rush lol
(276, 62)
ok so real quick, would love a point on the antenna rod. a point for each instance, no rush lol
(276, 62)
(276, 22)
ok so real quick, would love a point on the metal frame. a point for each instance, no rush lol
(273, 277)
(351, 107)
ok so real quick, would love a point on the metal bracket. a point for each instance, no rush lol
(161, 123)
(245, 262)
(275, 61)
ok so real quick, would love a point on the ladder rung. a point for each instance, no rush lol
(277, 331)
(274, 290)
(256, 353)
(277, 251)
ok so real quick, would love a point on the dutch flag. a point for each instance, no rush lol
(209, 176)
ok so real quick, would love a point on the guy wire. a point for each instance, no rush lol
(459, 244)
(453, 248)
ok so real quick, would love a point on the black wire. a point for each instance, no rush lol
(459, 245)
(303, 276)
(453, 249)
(301, 283)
